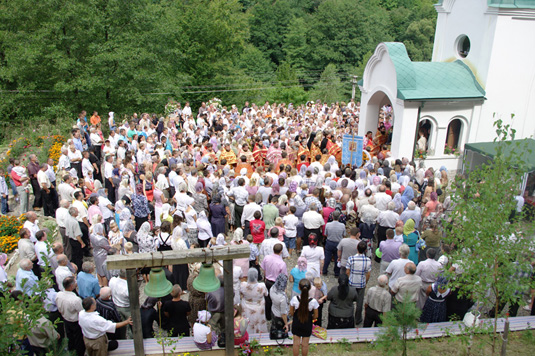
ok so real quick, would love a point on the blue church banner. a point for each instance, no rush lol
(352, 147)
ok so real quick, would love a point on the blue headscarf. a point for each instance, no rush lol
(408, 195)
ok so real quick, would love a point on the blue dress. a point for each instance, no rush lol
(411, 241)
(218, 218)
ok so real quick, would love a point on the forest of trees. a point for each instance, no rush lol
(58, 57)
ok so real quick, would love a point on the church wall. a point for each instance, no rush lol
(511, 80)
(473, 19)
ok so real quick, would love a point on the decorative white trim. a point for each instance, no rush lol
(377, 56)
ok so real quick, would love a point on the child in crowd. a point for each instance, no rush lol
(253, 257)
(257, 227)
(279, 224)
(320, 295)
(290, 226)
(203, 336)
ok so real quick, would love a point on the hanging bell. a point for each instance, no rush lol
(158, 285)
(206, 281)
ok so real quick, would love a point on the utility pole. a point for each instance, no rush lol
(354, 84)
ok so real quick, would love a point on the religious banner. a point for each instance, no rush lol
(352, 150)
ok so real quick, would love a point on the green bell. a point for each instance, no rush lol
(158, 285)
(206, 281)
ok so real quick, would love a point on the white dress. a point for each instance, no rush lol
(313, 256)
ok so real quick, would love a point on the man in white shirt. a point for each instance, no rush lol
(313, 221)
(32, 224)
(266, 248)
(428, 271)
(396, 268)
(62, 271)
(94, 328)
(119, 292)
(43, 252)
(62, 213)
(382, 199)
(108, 178)
(187, 110)
(87, 167)
(65, 189)
(50, 197)
(70, 305)
(75, 158)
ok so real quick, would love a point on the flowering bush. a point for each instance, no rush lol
(421, 154)
(9, 232)
(451, 150)
(216, 102)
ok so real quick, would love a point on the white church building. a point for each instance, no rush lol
(482, 69)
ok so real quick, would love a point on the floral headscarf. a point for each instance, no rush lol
(302, 264)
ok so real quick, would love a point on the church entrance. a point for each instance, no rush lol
(379, 125)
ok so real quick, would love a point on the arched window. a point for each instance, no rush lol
(453, 136)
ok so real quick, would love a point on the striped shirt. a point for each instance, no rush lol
(358, 266)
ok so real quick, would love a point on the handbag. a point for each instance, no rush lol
(221, 342)
(420, 244)
(470, 319)
(277, 334)
(319, 332)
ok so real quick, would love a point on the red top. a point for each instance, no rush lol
(257, 230)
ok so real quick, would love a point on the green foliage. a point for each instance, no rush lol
(329, 88)
(491, 253)
(396, 325)
(58, 57)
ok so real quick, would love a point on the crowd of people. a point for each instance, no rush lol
(269, 177)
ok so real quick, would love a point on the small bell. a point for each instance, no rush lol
(158, 285)
(206, 281)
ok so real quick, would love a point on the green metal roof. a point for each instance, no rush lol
(524, 147)
(432, 80)
(513, 4)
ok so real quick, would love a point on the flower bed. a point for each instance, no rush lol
(9, 232)
(43, 146)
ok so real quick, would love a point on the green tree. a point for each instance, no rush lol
(397, 324)
(329, 88)
(491, 248)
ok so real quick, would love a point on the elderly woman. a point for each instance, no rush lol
(205, 230)
(279, 306)
(200, 202)
(432, 205)
(147, 243)
(410, 237)
(296, 274)
(203, 336)
(219, 214)
(140, 205)
(341, 306)
(101, 246)
(238, 239)
(180, 272)
(252, 295)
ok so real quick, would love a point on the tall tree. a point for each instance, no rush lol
(329, 88)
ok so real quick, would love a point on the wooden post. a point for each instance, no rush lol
(133, 294)
(229, 307)
(505, 337)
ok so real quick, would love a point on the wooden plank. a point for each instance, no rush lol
(133, 294)
(229, 307)
(164, 258)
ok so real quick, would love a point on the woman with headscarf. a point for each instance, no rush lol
(140, 205)
(407, 196)
(166, 213)
(101, 246)
(299, 204)
(121, 205)
(314, 255)
(180, 272)
(159, 201)
(297, 273)
(279, 306)
(399, 204)
(252, 295)
(431, 205)
(124, 188)
(218, 215)
(203, 336)
(283, 205)
(125, 219)
(200, 202)
(341, 306)
(238, 239)
(435, 309)
(204, 229)
(410, 237)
